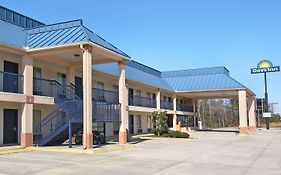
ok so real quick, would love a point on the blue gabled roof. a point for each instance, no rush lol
(64, 33)
(185, 80)
(56, 34)
(201, 79)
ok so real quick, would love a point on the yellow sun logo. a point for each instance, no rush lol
(265, 64)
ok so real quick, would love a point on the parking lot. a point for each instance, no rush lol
(211, 153)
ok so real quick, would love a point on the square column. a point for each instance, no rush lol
(27, 107)
(252, 115)
(123, 100)
(70, 75)
(87, 98)
(194, 105)
(175, 112)
(243, 124)
(158, 100)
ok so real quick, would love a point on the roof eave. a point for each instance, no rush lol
(13, 48)
(40, 49)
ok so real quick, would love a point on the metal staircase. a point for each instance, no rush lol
(65, 120)
(62, 123)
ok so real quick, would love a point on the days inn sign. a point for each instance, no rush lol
(264, 67)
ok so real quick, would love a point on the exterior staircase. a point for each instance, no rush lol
(64, 121)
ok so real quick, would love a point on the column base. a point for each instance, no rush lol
(243, 130)
(122, 137)
(252, 129)
(26, 140)
(89, 141)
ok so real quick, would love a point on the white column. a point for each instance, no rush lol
(175, 112)
(123, 100)
(194, 105)
(87, 98)
(27, 108)
(158, 100)
(71, 75)
(243, 124)
(252, 115)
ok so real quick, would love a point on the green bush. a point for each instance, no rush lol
(177, 134)
(160, 123)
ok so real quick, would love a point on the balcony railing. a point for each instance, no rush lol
(184, 107)
(105, 112)
(167, 105)
(52, 88)
(105, 96)
(10, 82)
(142, 101)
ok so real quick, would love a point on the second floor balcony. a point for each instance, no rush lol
(167, 105)
(184, 107)
(105, 96)
(142, 101)
(10, 82)
(52, 88)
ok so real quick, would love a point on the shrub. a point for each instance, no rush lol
(177, 134)
(160, 123)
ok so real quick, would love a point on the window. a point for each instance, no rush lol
(137, 99)
(148, 94)
(37, 87)
(62, 79)
(169, 99)
(115, 95)
(116, 127)
(100, 85)
(9, 16)
(100, 91)
(138, 93)
(28, 22)
(16, 19)
(3, 14)
(115, 88)
(36, 120)
(139, 122)
(22, 21)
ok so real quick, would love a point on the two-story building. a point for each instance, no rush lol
(58, 78)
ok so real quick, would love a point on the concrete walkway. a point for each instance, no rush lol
(211, 153)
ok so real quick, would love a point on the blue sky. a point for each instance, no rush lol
(180, 34)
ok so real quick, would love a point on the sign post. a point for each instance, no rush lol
(264, 67)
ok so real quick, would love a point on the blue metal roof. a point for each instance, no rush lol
(186, 80)
(191, 72)
(12, 35)
(134, 75)
(64, 33)
(201, 79)
(56, 34)
(203, 82)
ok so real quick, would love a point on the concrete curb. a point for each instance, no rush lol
(4, 151)
(166, 138)
(82, 151)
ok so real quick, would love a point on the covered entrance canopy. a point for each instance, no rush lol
(215, 83)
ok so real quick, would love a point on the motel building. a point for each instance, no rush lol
(56, 79)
